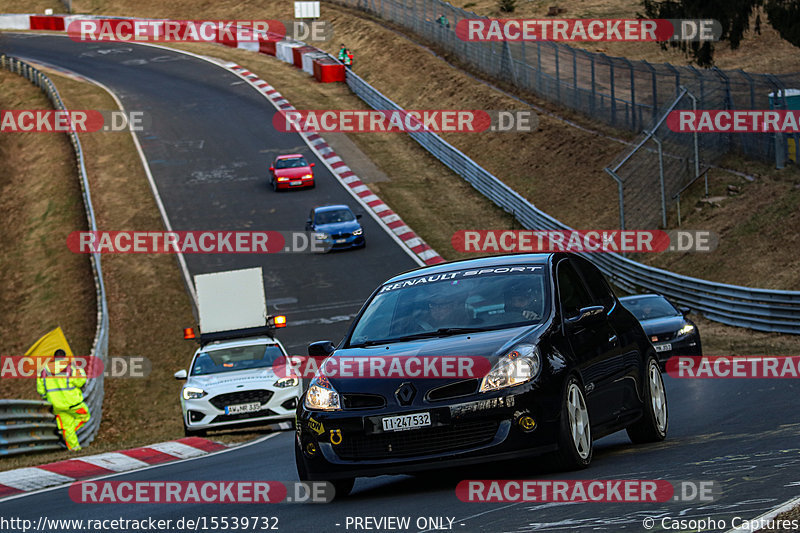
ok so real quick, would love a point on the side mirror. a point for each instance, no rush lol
(684, 310)
(321, 349)
(587, 315)
(272, 169)
(308, 224)
(359, 215)
(180, 374)
(312, 164)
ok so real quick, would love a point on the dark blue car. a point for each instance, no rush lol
(667, 326)
(336, 227)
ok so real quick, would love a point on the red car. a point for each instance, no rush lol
(291, 171)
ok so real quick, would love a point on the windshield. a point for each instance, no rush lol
(295, 162)
(648, 308)
(454, 302)
(239, 358)
(332, 217)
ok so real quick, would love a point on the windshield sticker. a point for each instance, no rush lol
(454, 277)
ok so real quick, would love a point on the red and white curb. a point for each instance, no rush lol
(391, 221)
(21, 480)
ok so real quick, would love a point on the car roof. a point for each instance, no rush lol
(289, 156)
(331, 208)
(640, 297)
(482, 262)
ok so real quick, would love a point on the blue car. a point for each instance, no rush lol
(336, 227)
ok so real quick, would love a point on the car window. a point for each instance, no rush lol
(650, 307)
(238, 358)
(571, 291)
(295, 162)
(334, 217)
(598, 286)
(488, 298)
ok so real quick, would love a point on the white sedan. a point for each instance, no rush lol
(233, 383)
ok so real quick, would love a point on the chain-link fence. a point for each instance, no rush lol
(617, 91)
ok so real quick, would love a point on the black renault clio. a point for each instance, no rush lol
(566, 364)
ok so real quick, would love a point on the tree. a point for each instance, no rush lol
(733, 15)
(784, 15)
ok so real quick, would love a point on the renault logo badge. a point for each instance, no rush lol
(405, 393)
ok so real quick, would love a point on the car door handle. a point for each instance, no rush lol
(612, 339)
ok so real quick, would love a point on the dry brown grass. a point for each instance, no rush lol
(42, 284)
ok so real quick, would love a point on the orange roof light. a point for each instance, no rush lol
(280, 321)
(188, 333)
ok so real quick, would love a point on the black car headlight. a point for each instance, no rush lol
(322, 396)
(685, 330)
(518, 366)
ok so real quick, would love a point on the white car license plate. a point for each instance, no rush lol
(404, 422)
(242, 408)
(296, 183)
(662, 347)
(340, 241)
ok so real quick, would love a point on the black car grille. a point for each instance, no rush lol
(243, 416)
(340, 235)
(234, 398)
(662, 337)
(454, 390)
(363, 401)
(416, 442)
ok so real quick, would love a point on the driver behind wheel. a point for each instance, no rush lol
(521, 302)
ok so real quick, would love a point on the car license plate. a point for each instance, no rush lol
(662, 347)
(404, 422)
(295, 183)
(340, 241)
(242, 408)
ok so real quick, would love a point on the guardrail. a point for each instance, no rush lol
(93, 391)
(26, 426)
(759, 309)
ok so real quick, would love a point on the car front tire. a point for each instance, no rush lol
(652, 427)
(194, 432)
(341, 486)
(575, 446)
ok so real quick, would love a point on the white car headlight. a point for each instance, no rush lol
(322, 396)
(359, 231)
(307, 176)
(520, 365)
(688, 328)
(289, 381)
(193, 393)
(321, 235)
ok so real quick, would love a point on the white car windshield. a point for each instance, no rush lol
(454, 302)
(238, 358)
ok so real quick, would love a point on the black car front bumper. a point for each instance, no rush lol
(352, 443)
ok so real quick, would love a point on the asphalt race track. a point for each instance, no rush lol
(208, 147)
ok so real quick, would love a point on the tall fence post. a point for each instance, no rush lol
(661, 181)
